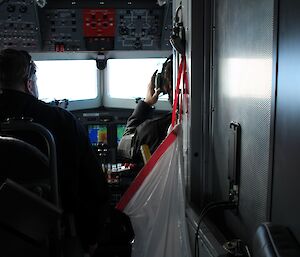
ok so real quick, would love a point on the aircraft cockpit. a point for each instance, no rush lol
(95, 59)
(235, 97)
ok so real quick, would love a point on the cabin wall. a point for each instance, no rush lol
(242, 92)
(234, 81)
(197, 22)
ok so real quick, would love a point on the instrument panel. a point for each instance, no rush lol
(75, 27)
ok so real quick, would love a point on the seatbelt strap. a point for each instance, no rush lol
(180, 93)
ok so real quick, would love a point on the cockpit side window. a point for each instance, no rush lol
(74, 80)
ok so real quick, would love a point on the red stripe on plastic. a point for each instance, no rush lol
(145, 171)
(185, 87)
(177, 92)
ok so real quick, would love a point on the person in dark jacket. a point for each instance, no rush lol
(82, 185)
(141, 127)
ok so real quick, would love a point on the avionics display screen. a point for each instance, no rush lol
(120, 131)
(97, 134)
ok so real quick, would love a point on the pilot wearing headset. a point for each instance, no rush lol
(83, 188)
(141, 128)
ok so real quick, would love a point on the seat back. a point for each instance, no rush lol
(26, 220)
(275, 241)
(36, 168)
(30, 213)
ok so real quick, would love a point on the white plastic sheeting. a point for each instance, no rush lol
(155, 203)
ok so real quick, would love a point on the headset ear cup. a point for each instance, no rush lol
(158, 82)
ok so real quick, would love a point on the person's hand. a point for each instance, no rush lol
(152, 92)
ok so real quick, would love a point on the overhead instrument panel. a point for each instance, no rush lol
(138, 29)
(84, 26)
(99, 28)
(19, 26)
(62, 30)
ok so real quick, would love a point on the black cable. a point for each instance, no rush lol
(205, 210)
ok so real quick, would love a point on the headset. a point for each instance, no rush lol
(177, 42)
(31, 68)
(160, 78)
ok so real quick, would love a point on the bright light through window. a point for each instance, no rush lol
(129, 78)
(67, 79)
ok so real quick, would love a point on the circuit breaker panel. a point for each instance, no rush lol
(19, 25)
(61, 30)
(67, 26)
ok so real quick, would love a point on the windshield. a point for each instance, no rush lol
(67, 79)
(133, 76)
